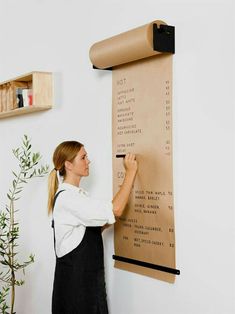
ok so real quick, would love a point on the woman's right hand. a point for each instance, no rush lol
(130, 163)
(121, 198)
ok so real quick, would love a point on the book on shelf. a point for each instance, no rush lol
(19, 98)
(17, 90)
(4, 98)
(24, 97)
(15, 94)
(0, 98)
(27, 97)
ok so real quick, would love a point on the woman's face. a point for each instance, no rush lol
(80, 165)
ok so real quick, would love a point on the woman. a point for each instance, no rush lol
(79, 285)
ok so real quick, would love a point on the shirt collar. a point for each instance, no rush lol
(67, 186)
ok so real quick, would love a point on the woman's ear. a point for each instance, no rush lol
(68, 165)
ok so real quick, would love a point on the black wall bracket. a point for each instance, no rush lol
(164, 38)
(148, 265)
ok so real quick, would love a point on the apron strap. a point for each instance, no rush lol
(53, 222)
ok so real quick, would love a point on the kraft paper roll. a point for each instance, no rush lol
(142, 124)
(126, 47)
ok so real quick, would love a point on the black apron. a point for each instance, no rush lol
(79, 284)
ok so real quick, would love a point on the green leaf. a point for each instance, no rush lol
(15, 174)
(18, 191)
(4, 263)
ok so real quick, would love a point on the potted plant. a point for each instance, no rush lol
(28, 169)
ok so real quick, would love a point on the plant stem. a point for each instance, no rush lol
(12, 261)
(11, 248)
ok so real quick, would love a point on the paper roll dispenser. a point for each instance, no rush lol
(142, 42)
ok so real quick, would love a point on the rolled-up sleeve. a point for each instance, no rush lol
(87, 210)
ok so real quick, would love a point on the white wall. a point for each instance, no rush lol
(55, 36)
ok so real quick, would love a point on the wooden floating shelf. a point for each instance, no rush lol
(24, 110)
(41, 86)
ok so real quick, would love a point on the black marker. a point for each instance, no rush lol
(121, 156)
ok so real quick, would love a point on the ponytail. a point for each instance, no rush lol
(64, 151)
(52, 188)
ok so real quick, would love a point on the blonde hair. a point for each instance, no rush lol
(65, 151)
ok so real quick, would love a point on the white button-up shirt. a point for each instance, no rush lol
(74, 211)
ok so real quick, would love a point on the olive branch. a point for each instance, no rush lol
(9, 227)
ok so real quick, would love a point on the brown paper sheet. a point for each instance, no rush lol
(142, 124)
